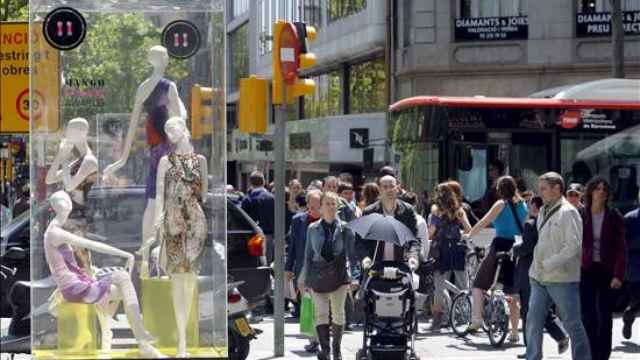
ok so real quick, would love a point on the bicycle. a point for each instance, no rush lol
(474, 259)
(495, 312)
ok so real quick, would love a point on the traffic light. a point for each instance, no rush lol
(290, 55)
(201, 111)
(253, 105)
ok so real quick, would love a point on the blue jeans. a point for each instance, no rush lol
(567, 297)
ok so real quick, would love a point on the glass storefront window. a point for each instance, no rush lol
(326, 100)
(491, 8)
(313, 12)
(120, 149)
(238, 7)
(590, 6)
(339, 9)
(367, 87)
(239, 56)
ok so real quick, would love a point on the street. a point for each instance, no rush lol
(443, 345)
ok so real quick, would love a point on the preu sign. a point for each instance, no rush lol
(492, 28)
(599, 23)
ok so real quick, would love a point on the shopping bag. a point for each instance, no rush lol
(290, 291)
(307, 316)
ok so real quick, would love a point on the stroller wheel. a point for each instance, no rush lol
(362, 354)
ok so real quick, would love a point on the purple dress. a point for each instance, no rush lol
(156, 107)
(75, 284)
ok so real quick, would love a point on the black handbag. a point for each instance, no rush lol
(328, 276)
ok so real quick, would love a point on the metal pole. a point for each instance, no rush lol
(279, 172)
(617, 40)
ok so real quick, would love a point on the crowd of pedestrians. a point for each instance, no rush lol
(573, 252)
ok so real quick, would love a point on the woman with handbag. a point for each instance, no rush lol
(446, 223)
(507, 215)
(328, 268)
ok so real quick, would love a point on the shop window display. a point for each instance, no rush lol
(127, 69)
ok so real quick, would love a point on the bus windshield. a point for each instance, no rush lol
(432, 143)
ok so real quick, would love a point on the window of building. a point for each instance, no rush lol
(239, 56)
(492, 8)
(268, 12)
(312, 10)
(343, 8)
(367, 87)
(239, 7)
(588, 6)
(326, 100)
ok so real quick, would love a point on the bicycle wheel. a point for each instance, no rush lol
(498, 325)
(460, 313)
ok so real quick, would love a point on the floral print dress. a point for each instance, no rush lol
(184, 229)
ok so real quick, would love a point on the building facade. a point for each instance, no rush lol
(373, 53)
(506, 47)
(340, 126)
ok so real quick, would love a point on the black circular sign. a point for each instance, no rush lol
(181, 38)
(64, 28)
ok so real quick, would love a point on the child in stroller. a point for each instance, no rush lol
(390, 322)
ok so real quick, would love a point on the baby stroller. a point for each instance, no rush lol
(390, 316)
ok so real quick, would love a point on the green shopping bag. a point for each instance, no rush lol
(307, 316)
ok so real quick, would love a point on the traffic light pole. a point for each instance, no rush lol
(279, 164)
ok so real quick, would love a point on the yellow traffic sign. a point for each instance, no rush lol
(14, 80)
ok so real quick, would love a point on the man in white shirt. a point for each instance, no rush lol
(389, 204)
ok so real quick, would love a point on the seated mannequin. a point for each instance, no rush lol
(75, 285)
(75, 168)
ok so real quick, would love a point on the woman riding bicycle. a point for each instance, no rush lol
(507, 226)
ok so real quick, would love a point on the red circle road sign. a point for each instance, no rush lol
(22, 104)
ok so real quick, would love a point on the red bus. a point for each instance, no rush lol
(437, 138)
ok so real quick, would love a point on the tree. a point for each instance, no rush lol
(115, 52)
(14, 10)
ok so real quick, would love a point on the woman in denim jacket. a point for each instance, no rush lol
(329, 266)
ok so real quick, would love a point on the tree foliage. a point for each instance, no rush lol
(114, 51)
(14, 10)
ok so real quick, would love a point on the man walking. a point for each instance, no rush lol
(295, 250)
(389, 204)
(259, 205)
(555, 272)
(632, 232)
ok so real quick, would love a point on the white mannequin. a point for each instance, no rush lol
(159, 59)
(75, 137)
(121, 286)
(182, 284)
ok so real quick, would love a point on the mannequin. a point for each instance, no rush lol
(77, 286)
(180, 221)
(158, 98)
(76, 168)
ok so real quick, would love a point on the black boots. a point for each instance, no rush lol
(336, 334)
(329, 337)
(323, 338)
